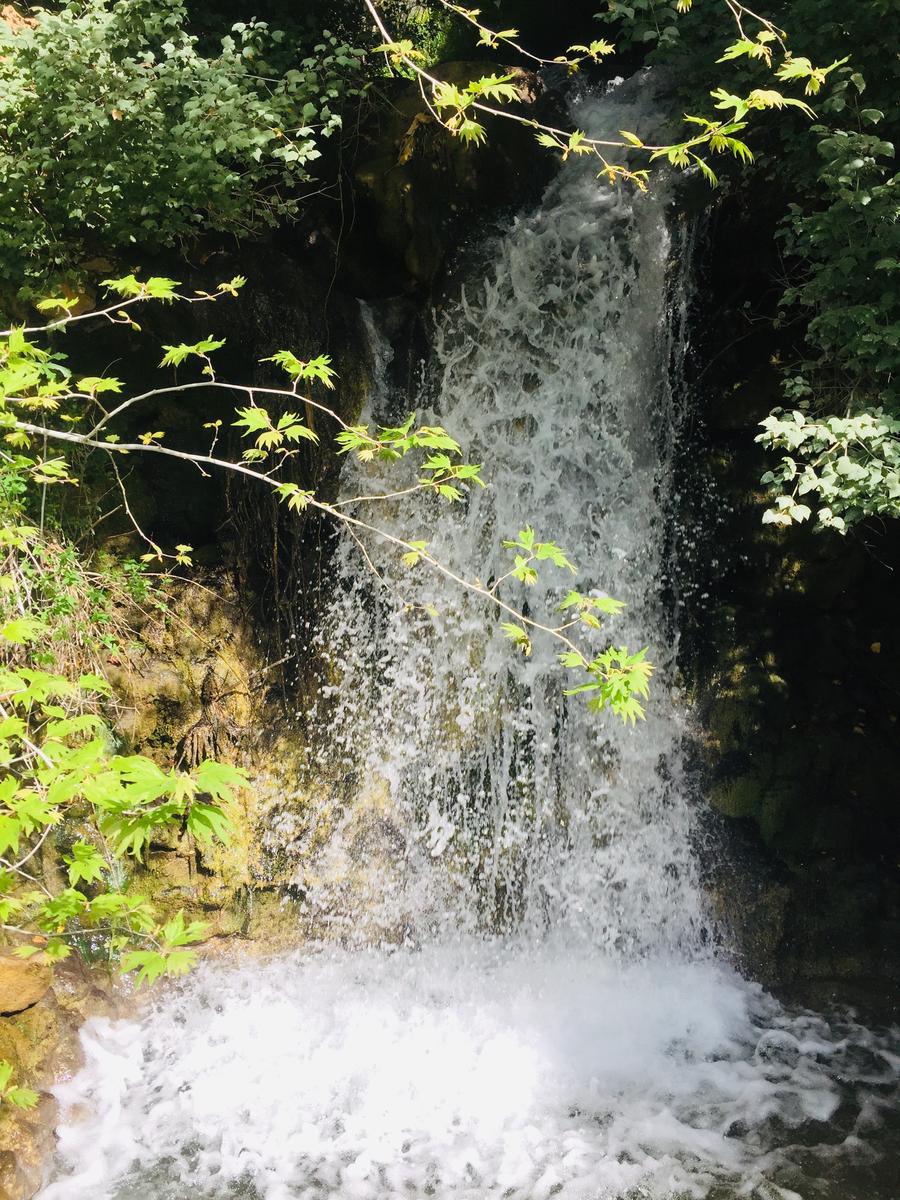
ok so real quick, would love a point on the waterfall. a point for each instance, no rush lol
(523, 999)
(515, 805)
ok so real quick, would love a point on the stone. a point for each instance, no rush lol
(43, 1047)
(22, 983)
(14, 20)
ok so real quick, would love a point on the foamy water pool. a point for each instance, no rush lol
(471, 1071)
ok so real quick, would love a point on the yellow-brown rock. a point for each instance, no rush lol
(22, 983)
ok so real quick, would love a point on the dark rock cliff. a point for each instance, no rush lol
(794, 656)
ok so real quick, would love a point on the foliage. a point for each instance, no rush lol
(61, 783)
(59, 778)
(850, 249)
(116, 130)
(848, 466)
(173, 956)
(843, 238)
(81, 606)
(427, 26)
(460, 109)
(59, 773)
(847, 290)
(647, 23)
(453, 103)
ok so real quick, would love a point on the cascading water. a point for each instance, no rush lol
(536, 1008)
(514, 804)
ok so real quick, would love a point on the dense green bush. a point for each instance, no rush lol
(842, 240)
(117, 132)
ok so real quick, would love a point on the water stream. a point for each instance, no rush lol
(523, 994)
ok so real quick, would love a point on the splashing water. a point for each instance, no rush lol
(514, 805)
(551, 1019)
(467, 1071)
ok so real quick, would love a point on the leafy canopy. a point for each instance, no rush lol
(117, 130)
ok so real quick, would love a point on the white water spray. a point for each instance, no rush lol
(516, 806)
(551, 1020)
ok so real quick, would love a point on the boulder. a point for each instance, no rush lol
(22, 983)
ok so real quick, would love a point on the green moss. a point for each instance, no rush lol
(732, 722)
(737, 797)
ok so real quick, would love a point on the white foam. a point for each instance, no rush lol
(461, 1071)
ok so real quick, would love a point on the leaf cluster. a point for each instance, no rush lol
(440, 472)
(616, 680)
(849, 467)
(10, 1093)
(58, 772)
(456, 105)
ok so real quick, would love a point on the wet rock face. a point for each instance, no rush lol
(27, 1140)
(800, 719)
(184, 686)
(192, 687)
